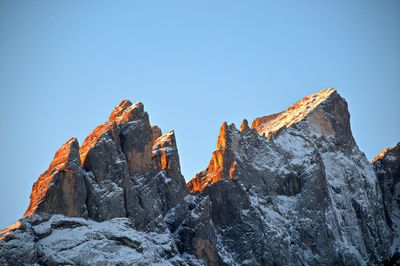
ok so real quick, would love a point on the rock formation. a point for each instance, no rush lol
(292, 189)
(61, 189)
(387, 169)
(296, 181)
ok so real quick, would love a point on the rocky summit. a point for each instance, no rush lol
(293, 188)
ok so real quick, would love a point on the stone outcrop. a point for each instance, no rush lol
(387, 169)
(166, 159)
(292, 183)
(124, 168)
(61, 189)
(222, 163)
(106, 169)
(292, 189)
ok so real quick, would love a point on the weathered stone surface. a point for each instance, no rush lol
(77, 241)
(300, 172)
(171, 184)
(155, 133)
(153, 195)
(222, 163)
(61, 189)
(387, 169)
(294, 189)
(136, 138)
(106, 168)
(196, 233)
(244, 126)
(119, 110)
(125, 168)
(17, 245)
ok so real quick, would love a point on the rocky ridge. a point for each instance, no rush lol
(292, 189)
(387, 169)
(303, 187)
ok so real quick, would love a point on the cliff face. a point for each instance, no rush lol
(295, 189)
(292, 189)
(119, 171)
(61, 189)
(387, 168)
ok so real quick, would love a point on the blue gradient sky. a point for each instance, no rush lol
(194, 64)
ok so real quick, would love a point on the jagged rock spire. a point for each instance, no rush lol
(304, 195)
(61, 189)
(324, 113)
(222, 163)
(119, 109)
(105, 177)
(244, 126)
(387, 168)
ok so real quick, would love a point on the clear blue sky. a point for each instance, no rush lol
(194, 64)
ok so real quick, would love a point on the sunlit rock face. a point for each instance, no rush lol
(124, 168)
(61, 189)
(295, 189)
(222, 163)
(291, 189)
(165, 158)
(387, 169)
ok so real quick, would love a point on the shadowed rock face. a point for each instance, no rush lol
(292, 189)
(125, 168)
(387, 169)
(292, 183)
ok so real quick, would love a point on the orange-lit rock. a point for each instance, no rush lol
(305, 195)
(165, 152)
(258, 122)
(155, 133)
(5, 232)
(119, 109)
(222, 164)
(244, 126)
(93, 138)
(323, 113)
(302, 166)
(61, 189)
(271, 124)
(165, 157)
(222, 137)
(136, 138)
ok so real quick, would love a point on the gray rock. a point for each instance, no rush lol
(310, 196)
(294, 189)
(107, 169)
(77, 241)
(387, 169)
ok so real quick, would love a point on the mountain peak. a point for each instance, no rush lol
(126, 111)
(68, 153)
(387, 153)
(119, 109)
(222, 164)
(244, 126)
(299, 195)
(271, 124)
(320, 114)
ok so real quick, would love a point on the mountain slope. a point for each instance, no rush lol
(387, 168)
(310, 195)
(126, 172)
(292, 189)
